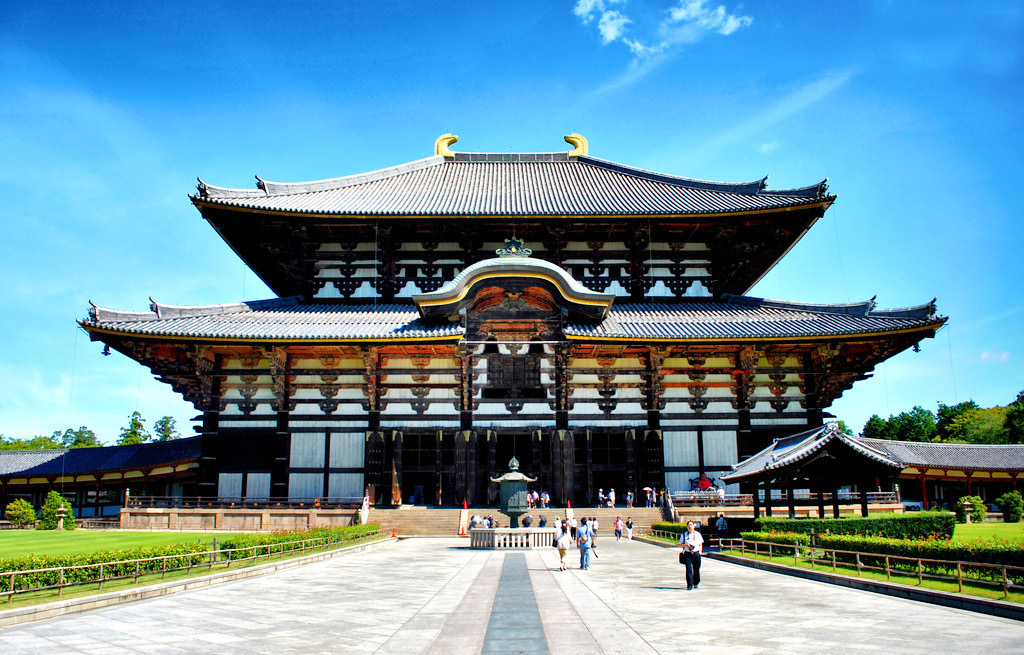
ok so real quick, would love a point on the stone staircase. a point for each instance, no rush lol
(418, 521)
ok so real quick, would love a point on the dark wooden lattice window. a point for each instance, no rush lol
(513, 375)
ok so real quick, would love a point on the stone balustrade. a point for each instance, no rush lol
(511, 538)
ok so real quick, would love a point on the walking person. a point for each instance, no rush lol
(563, 542)
(611, 498)
(586, 540)
(618, 529)
(692, 544)
(722, 527)
(573, 523)
(629, 528)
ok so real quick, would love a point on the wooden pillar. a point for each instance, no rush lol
(492, 466)
(969, 484)
(590, 470)
(438, 469)
(396, 461)
(863, 499)
(96, 500)
(821, 503)
(757, 500)
(790, 501)
(462, 466)
(767, 499)
(3, 499)
(835, 503)
(924, 492)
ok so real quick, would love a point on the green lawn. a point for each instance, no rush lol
(988, 531)
(15, 543)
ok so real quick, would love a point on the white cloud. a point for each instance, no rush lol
(995, 356)
(769, 147)
(611, 26)
(651, 44)
(687, 22)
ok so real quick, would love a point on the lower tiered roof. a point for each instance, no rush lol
(729, 319)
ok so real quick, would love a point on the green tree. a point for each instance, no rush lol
(979, 426)
(947, 413)
(135, 432)
(916, 425)
(164, 430)
(35, 443)
(20, 512)
(844, 428)
(1014, 422)
(48, 517)
(876, 428)
(83, 437)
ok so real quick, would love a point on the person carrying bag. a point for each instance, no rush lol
(692, 544)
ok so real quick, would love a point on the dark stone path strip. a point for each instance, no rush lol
(515, 625)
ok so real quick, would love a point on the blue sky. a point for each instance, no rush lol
(109, 112)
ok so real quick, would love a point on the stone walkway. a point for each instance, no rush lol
(436, 596)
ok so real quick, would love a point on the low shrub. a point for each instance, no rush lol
(21, 513)
(190, 554)
(248, 545)
(970, 505)
(781, 538)
(48, 515)
(919, 525)
(1010, 504)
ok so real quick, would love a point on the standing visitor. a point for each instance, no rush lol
(611, 498)
(692, 544)
(585, 539)
(629, 528)
(600, 497)
(722, 526)
(593, 524)
(572, 526)
(618, 529)
(629, 499)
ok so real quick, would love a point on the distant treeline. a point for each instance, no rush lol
(134, 432)
(965, 422)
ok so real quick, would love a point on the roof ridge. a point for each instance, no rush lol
(266, 188)
(751, 188)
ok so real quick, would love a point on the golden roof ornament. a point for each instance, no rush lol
(578, 143)
(441, 145)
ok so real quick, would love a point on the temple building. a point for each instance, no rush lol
(436, 318)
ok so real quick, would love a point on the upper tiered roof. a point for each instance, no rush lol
(512, 184)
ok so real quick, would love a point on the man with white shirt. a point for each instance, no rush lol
(692, 544)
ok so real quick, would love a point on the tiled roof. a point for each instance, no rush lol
(105, 458)
(792, 450)
(738, 317)
(488, 184)
(953, 456)
(734, 317)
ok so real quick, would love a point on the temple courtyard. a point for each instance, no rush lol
(437, 596)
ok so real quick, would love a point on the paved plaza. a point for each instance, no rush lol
(437, 596)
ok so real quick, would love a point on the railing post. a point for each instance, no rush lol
(888, 574)
(60, 583)
(920, 571)
(164, 574)
(10, 596)
(101, 577)
(857, 556)
(1006, 583)
(833, 560)
(136, 571)
(796, 554)
(959, 577)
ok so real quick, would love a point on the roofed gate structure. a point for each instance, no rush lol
(439, 317)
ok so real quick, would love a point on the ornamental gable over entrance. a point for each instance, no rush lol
(404, 358)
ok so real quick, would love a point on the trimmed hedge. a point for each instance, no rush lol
(191, 553)
(781, 538)
(919, 525)
(248, 543)
(1010, 504)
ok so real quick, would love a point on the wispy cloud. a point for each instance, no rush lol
(686, 22)
(790, 105)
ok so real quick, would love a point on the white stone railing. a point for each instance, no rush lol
(511, 538)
